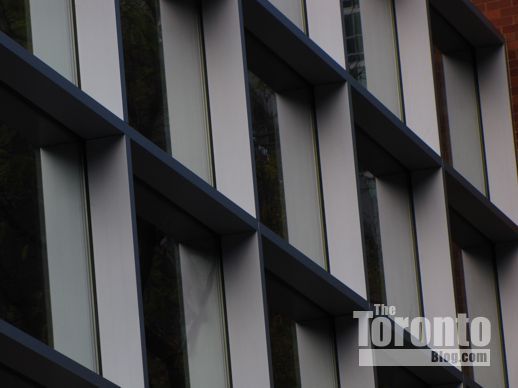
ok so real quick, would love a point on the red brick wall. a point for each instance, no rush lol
(504, 15)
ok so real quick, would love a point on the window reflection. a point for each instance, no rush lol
(354, 40)
(163, 308)
(285, 362)
(144, 69)
(46, 287)
(268, 164)
(46, 28)
(184, 316)
(287, 165)
(458, 107)
(372, 50)
(301, 339)
(14, 21)
(372, 238)
(24, 289)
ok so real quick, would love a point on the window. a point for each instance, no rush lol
(295, 10)
(388, 222)
(476, 293)
(166, 83)
(302, 344)
(182, 295)
(372, 50)
(372, 238)
(287, 167)
(268, 156)
(460, 128)
(46, 284)
(354, 40)
(46, 28)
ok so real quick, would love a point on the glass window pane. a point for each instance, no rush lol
(371, 48)
(67, 246)
(388, 223)
(302, 344)
(14, 21)
(186, 85)
(283, 341)
(465, 134)
(372, 238)
(316, 348)
(268, 161)
(460, 128)
(287, 168)
(23, 281)
(477, 295)
(396, 218)
(183, 310)
(45, 27)
(45, 276)
(144, 69)
(166, 84)
(53, 40)
(295, 10)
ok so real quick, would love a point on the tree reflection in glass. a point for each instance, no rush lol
(372, 238)
(283, 342)
(163, 308)
(14, 21)
(267, 152)
(23, 287)
(144, 69)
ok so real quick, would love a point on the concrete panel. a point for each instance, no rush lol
(325, 25)
(434, 244)
(98, 52)
(224, 50)
(339, 190)
(415, 54)
(246, 312)
(114, 261)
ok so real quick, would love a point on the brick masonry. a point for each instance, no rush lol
(504, 15)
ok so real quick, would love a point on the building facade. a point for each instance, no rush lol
(203, 193)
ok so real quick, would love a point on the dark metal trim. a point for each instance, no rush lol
(469, 22)
(188, 191)
(290, 44)
(477, 209)
(38, 362)
(307, 277)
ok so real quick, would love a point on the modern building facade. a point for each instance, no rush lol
(202, 193)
